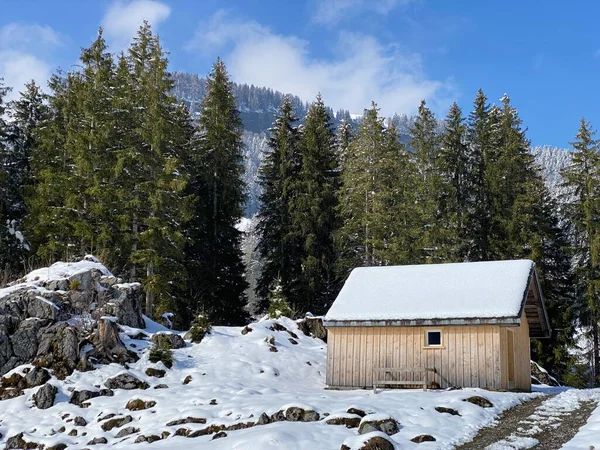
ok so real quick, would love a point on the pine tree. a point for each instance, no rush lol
(455, 169)
(583, 179)
(279, 245)
(313, 208)
(221, 201)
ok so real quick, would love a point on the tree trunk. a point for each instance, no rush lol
(149, 293)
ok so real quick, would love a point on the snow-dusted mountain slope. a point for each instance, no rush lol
(227, 382)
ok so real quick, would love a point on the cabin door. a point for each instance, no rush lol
(511, 358)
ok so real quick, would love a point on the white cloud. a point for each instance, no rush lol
(24, 49)
(332, 11)
(362, 70)
(123, 19)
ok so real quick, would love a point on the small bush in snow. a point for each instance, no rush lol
(161, 353)
(278, 305)
(201, 326)
(74, 285)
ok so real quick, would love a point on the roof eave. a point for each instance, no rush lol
(502, 321)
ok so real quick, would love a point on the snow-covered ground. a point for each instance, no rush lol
(234, 379)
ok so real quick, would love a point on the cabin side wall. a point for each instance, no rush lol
(469, 355)
(522, 356)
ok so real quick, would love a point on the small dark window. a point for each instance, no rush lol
(434, 338)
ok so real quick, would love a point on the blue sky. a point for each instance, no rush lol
(545, 55)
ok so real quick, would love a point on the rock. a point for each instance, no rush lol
(219, 435)
(213, 402)
(139, 405)
(125, 381)
(479, 401)
(423, 438)
(108, 281)
(85, 280)
(442, 409)
(60, 446)
(246, 330)
(377, 441)
(158, 373)
(117, 422)
(59, 349)
(106, 417)
(182, 432)
(358, 412)
(168, 340)
(187, 379)
(263, 419)
(293, 341)
(375, 422)
(201, 420)
(17, 442)
(540, 375)
(7, 394)
(127, 431)
(108, 347)
(98, 440)
(79, 397)
(37, 376)
(313, 326)
(124, 304)
(279, 416)
(80, 421)
(349, 421)
(161, 386)
(73, 432)
(16, 381)
(151, 438)
(44, 397)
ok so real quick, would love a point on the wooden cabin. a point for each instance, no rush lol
(462, 324)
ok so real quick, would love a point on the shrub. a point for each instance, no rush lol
(74, 285)
(161, 353)
(201, 326)
(278, 305)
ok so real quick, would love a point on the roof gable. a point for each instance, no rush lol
(479, 292)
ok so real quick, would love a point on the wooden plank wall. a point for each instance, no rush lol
(469, 356)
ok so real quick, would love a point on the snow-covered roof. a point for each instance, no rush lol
(430, 292)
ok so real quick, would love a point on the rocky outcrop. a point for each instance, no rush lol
(44, 397)
(539, 375)
(34, 314)
(80, 398)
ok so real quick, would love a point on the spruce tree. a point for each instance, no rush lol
(455, 169)
(313, 208)
(278, 244)
(583, 179)
(221, 201)
(435, 238)
(480, 139)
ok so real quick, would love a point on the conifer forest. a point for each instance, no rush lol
(106, 160)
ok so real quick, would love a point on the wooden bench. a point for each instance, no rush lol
(379, 376)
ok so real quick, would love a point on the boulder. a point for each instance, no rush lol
(444, 410)
(98, 440)
(264, 419)
(347, 420)
(158, 373)
(541, 375)
(17, 442)
(127, 431)
(358, 412)
(117, 422)
(44, 397)
(37, 376)
(378, 422)
(126, 381)
(373, 441)
(150, 438)
(80, 421)
(168, 340)
(59, 349)
(296, 414)
(172, 423)
(80, 398)
(479, 401)
(423, 438)
(139, 405)
(219, 435)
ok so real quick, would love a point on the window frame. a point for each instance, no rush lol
(428, 345)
